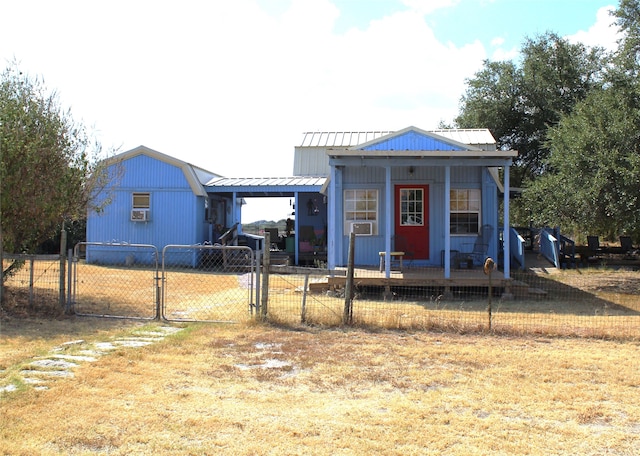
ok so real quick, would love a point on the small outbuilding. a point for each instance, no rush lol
(154, 199)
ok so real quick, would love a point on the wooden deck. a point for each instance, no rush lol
(424, 277)
(419, 277)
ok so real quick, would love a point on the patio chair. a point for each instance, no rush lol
(625, 244)
(478, 254)
(594, 253)
(593, 242)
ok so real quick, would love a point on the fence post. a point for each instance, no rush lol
(266, 261)
(63, 264)
(69, 274)
(258, 281)
(347, 318)
(489, 267)
(159, 284)
(31, 272)
(303, 312)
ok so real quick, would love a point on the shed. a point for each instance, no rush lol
(155, 199)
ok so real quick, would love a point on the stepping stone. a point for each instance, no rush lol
(8, 388)
(48, 373)
(104, 346)
(79, 358)
(33, 381)
(53, 364)
(132, 343)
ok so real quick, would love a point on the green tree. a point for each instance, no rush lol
(518, 103)
(47, 171)
(592, 183)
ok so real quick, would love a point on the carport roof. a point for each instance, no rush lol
(265, 186)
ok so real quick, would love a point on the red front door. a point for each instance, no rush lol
(412, 218)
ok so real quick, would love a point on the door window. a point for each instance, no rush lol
(411, 206)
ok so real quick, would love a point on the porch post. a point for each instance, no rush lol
(447, 222)
(388, 219)
(332, 217)
(505, 232)
(296, 227)
(234, 210)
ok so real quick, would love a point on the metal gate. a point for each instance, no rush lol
(194, 283)
(115, 280)
(208, 283)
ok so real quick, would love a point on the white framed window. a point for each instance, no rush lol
(465, 211)
(140, 206)
(361, 210)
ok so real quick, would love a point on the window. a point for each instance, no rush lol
(465, 211)
(411, 206)
(361, 205)
(141, 200)
(140, 203)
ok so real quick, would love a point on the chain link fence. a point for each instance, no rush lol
(32, 283)
(208, 283)
(595, 302)
(181, 283)
(222, 284)
(115, 280)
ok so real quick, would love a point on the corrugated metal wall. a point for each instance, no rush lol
(177, 215)
(412, 141)
(367, 247)
(311, 162)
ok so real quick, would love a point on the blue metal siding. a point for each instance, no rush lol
(176, 214)
(143, 172)
(367, 247)
(412, 141)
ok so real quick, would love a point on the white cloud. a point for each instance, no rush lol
(603, 32)
(205, 80)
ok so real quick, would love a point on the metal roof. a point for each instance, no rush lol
(480, 137)
(339, 138)
(265, 186)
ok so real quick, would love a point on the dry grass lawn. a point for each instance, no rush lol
(263, 390)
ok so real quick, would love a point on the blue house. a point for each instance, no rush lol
(434, 189)
(155, 199)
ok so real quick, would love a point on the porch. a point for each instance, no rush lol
(421, 277)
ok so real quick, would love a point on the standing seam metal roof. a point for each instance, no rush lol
(296, 181)
(479, 137)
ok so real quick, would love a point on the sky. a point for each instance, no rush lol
(230, 86)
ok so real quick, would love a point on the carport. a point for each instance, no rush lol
(308, 240)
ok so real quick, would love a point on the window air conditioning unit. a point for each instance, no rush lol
(362, 228)
(140, 215)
